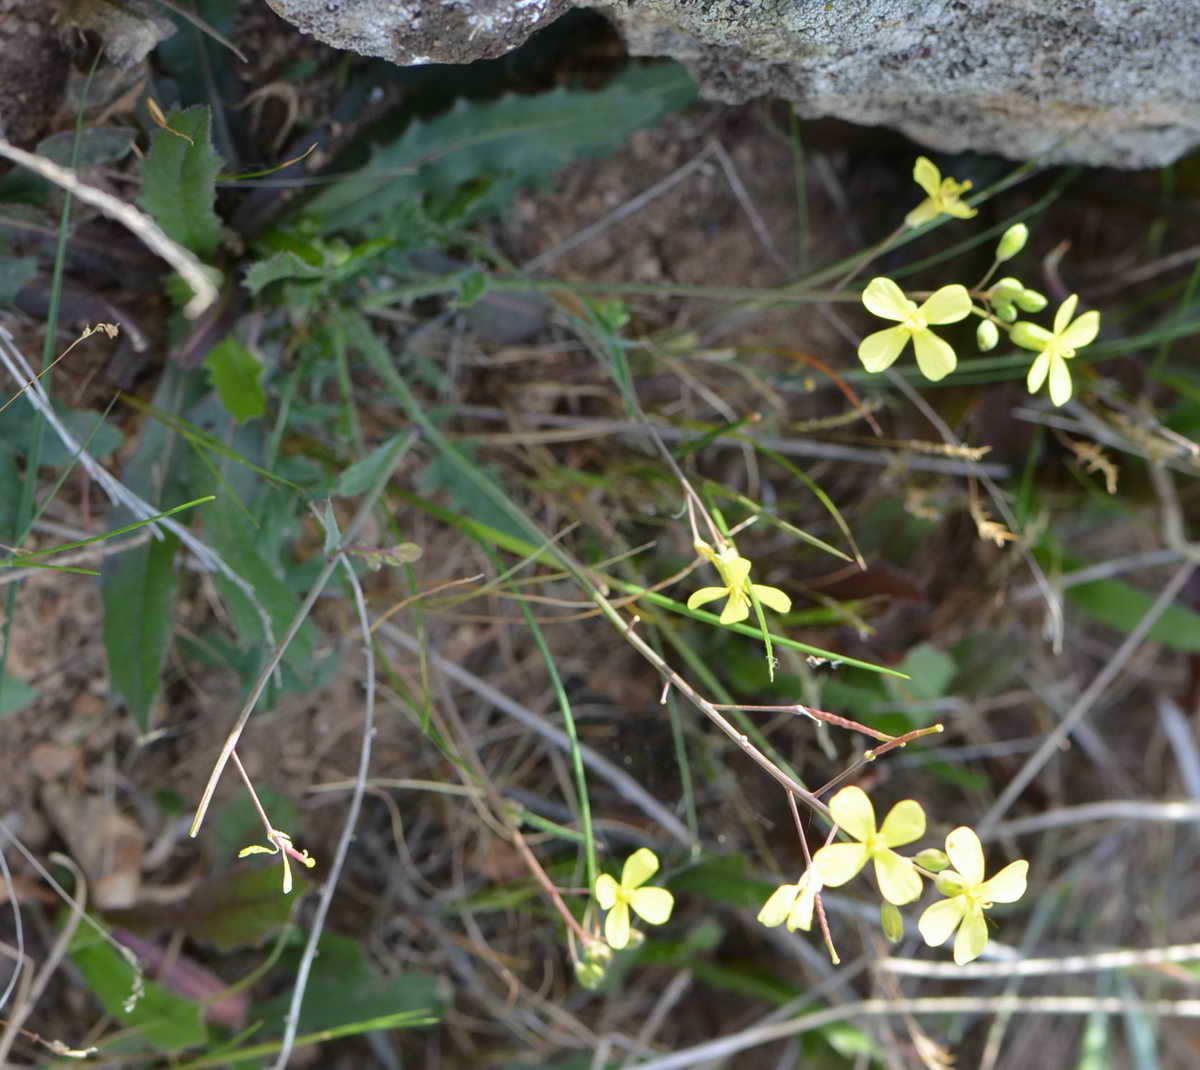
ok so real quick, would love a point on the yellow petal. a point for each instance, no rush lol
(886, 300)
(1064, 314)
(257, 849)
(966, 854)
(779, 905)
(923, 213)
(941, 919)
(772, 598)
(616, 927)
(879, 350)
(1060, 380)
(1008, 885)
(839, 862)
(904, 823)
(706, 595)
(1037, 372)
(949, 304)
(972, 937)
(898, 879)
(737, 609)
(652, 905)
(606, 891)
(935, 356)
(958, 209)
(927, 176)
(851, 808)
(1083, 331)
(801, 916)
(639, 868)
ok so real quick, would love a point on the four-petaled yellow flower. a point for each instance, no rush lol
(964, 911)
(945, 195)
(792, 903)
(734, 571)
(1056, 347)
(652, 905)
(281, 843)
(935, 357)
(839, 862)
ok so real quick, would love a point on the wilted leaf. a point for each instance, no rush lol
(129, 29)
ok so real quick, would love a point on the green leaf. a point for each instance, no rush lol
(180, 181)
(1121, 606)
(97, 145)
(15, 272)
(343, 990)
(138, 588)
(166, 1022)
(362, 475)
(242, 908)
(90, 428)
(283, 265)
(236, 376)
(930, 671)
(494, 148)
(15, 694)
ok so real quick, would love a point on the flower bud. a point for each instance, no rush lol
(1030, 335)
(1006, 289)
(950, 883)
(932, 859)
(1012, 241)
(589, 975)
(1030, 301)
(1006, 311)
(892, 922)
(987, 334)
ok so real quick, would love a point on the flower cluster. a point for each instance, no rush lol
(998, 306)
(901, 879)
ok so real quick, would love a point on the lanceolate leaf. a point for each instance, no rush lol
(138, 588)
(502, 145)
(180, 181)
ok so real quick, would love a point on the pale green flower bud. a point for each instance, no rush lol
(1012, 241)
(932, 859)
(1006, 289)
(892, 922)
(950, 883)
(1030, 335)
(589, 975)
(987, 334)
(1030, 301)
(1006, 311)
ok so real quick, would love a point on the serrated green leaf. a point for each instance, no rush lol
(166, 1022)
(179, 188)
(282, 265)
(236, 375)
(501, 146)
(138, 589)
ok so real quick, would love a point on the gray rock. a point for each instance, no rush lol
(1110, 82)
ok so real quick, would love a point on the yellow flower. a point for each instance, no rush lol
(281, 843)
(652, 905)
(944, 195)
(935, 357)
(1056, 347)
(793, 903)
(734, 571)
(839, 862)
(964, 910)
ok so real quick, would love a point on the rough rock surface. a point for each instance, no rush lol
(32, 65)
(1095, 81)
